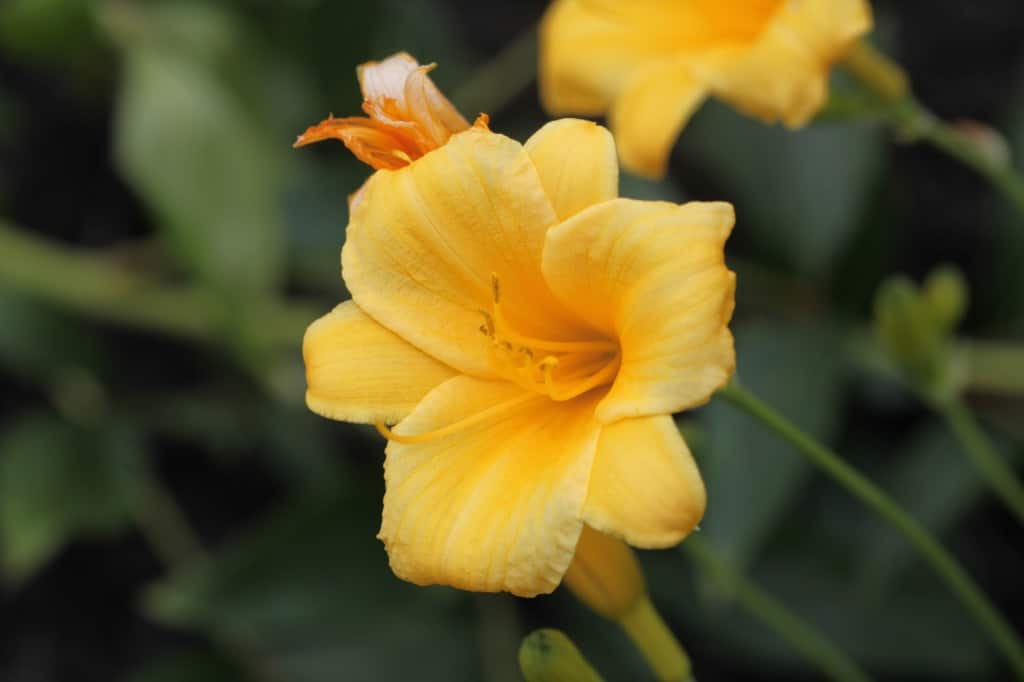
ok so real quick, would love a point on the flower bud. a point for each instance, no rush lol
(946, 293)
(605, 575)
(549, 656)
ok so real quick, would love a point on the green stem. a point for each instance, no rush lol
(800, 635)
(88, 284)
(912, 122)
(993, 367)
(947, 567)
(920, 124)
(1000, 476)
(656, 642)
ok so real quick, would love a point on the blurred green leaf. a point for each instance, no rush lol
(194, 666)
(933, 480)
(34, 341)
(317, 212)
(310, 595)
(916, 632)
(57, 481)
(798, 195)
(54, 32)
(205, 166)
(635, 187)
(752, 476)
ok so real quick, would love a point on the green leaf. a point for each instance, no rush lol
(58, 481)
(34, 341)
(209, 171)
(309, 594)
(933, 480)
(798, 194)
(916, 632)
(752, 476)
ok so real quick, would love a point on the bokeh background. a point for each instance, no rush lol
(170, 511)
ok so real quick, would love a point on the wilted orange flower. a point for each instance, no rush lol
(531, 334)
(648, 64)
(408, 115)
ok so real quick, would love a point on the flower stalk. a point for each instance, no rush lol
(912, 122)
(802, 636)
(606, 577)
(945, 565)
(1000, 476)
(663, 652)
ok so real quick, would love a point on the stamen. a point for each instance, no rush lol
(498, 321)
(455, 427)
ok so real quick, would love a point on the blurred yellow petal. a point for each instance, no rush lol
(358, 371)
(648, 63)
(784, 75)
(576, 163)
(652, 275)
(589, 49)
(495, 505)
(424, 241)
(644, 487)
(650, 112)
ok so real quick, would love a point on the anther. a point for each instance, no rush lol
(495, 288)
(488, 327)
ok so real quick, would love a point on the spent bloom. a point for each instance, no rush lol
(530, 333)
(408, 115)
(649, 64)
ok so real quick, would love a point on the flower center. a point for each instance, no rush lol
(560, 370)
(557, 370)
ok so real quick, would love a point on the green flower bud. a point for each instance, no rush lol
(914, 326)
(946, 293)
(550, 656)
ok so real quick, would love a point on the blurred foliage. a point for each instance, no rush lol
(185, 177)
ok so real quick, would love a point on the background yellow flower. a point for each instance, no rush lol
(649, 64)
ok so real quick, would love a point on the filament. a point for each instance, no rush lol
(498, 321)
(455, 427)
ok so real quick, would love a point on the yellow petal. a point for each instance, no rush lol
(430, 109)
(650, 112)
(495, 506)
(358, 371)
(588, 50)
(653, 276)
(424, 240)
(577, 165)
(644, 487)
(784, 74)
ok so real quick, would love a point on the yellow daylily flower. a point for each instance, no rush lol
(649, 64)
(530, 333)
